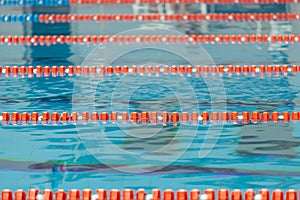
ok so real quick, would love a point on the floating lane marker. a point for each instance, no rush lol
(142, 39)
(188, 70)
(225, 2)
(34, 3)
(154, 118)
(155, 194)
(210, 17)
(129, 2)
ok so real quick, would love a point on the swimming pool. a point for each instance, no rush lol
(262, 155)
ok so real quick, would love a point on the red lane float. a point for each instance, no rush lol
(54, 71)
(222, 2)
(156, 194)
(142, 39)
(198, 17)
(164, 118)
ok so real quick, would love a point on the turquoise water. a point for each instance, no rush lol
(133, 156)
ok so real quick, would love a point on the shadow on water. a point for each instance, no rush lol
(48, 55)
(275, 140)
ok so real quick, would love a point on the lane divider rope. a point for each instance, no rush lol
(164, 118)
(117, 2)
(156, 194)
(34, 3)
(54, 71)
(130, 39)
(226, 17)
(76, 2)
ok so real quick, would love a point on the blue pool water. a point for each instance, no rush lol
(133, 156)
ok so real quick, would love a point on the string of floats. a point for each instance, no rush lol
(189, 70)
(197, 17)
(164, 118)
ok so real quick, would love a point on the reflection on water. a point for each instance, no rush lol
(268, 155)
(278, 51)
(47, 55)
(258, 140)
(50, 55)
